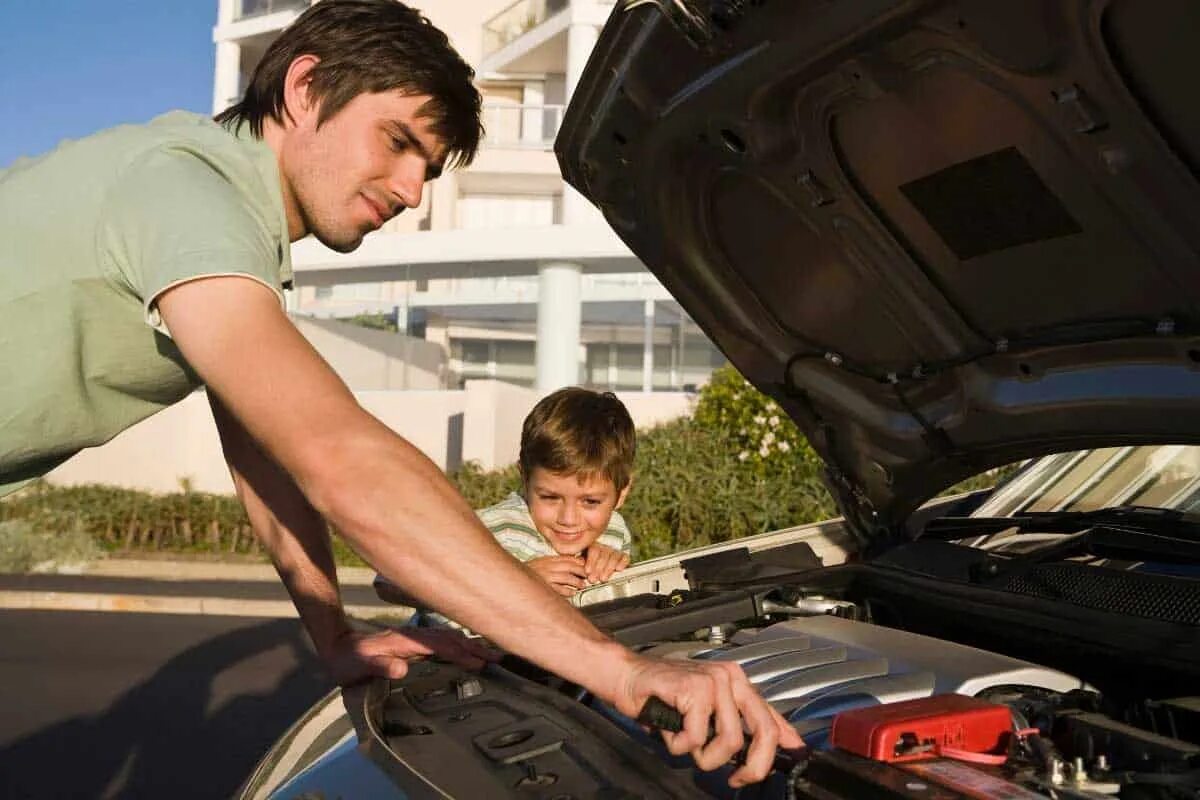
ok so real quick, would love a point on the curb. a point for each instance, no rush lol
(150, 569)
(162, 604)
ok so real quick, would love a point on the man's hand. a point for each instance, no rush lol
(602, 562)
(718, 689)
(565, 574)
(356, 657)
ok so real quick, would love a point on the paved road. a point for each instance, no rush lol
(102, 705)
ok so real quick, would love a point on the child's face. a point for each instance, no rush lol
(571, 513)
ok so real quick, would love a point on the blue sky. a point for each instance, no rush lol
(71, 67)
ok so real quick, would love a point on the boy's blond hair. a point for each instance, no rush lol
(579, 432)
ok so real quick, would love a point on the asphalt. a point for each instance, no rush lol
(180, 587)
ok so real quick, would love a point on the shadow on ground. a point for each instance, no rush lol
(178, 734)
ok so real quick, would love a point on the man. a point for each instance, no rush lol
(146, 260)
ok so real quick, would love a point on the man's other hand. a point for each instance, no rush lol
(565, 574)
(716, 690)
(356, 657)
(602, 562)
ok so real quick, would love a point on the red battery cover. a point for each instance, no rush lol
(918, 729)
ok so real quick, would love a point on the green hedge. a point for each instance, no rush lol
(736, 467)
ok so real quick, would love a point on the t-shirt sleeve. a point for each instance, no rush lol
(617, 535)
(175, 217)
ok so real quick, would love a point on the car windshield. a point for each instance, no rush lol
(1161, 476)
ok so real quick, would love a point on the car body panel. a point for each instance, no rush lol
(944, 237)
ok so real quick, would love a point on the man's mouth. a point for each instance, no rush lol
(378, 214)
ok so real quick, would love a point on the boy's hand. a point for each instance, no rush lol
(602, 562)
(565, 574)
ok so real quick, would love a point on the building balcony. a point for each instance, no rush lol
(517, 20)
(258, 8)
(523, 127)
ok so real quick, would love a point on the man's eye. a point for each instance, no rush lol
(399, 145)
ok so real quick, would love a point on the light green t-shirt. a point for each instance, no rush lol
(90, 235)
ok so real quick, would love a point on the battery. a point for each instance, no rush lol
(838, 775)
(924, 728)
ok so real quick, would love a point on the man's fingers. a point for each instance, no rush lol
(695, 723)
(564, 589)
(760, 721)
(727, 725)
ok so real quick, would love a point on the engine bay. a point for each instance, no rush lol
(867, 650)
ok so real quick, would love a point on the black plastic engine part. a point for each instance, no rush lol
(1090, 735)
(738, 566)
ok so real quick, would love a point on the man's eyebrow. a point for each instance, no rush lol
(435, 167)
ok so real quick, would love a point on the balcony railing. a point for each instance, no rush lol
(258, 8)
(517, 19)
(530, 127)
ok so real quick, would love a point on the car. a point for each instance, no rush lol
(945, 238)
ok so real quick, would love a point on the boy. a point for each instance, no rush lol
(576, 464)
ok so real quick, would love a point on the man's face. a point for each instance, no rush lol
(569, 511)
(361, 167)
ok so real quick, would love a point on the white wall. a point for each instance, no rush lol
(181, 442)
(373, 360)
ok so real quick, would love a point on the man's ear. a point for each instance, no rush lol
(299, 104)
(624, 493)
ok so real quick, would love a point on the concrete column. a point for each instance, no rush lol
(560, 284)
(227, 83)
(648, 347)
(581, 38)
(534, 113)
(558, 316)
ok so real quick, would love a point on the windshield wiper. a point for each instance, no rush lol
(1121, 532)
(1141, 519)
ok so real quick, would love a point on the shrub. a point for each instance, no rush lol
(23, 548)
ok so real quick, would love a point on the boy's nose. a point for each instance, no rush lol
(568, 514)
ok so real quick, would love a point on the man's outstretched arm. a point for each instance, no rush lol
(297, 540)
(401, 514)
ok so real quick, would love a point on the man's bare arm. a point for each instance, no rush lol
(290, 529)
(297, 540)
(397, 509)
(391, 503)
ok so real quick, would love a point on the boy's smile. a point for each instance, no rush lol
(569, 511)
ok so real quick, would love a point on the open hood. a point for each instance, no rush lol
(943, 236)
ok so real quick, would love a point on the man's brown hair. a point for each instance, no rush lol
(579, 432)
(368, 46)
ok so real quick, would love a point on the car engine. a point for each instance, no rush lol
(884, 712)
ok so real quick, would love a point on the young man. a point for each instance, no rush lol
(145, 261)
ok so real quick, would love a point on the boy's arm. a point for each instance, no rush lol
(397, 509)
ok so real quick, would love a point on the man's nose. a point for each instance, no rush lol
(408, 181)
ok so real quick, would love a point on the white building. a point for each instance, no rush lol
(510, 271)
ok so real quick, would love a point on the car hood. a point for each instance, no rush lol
(943, 236)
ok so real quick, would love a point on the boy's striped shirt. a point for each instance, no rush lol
(510, 522)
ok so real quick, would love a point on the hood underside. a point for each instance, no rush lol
(943, 236)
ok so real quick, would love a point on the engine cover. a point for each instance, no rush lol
(812, 668)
